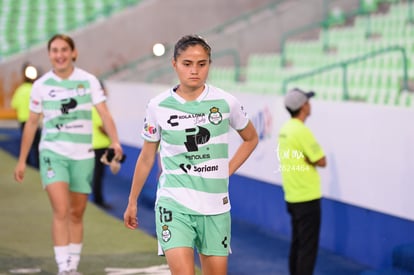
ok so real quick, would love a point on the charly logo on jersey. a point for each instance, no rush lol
(52, 93)
(224, 242)
(172, 120)
(215, 117)
(80, 90)
(198, 119)
(198, 169)
(67, 104)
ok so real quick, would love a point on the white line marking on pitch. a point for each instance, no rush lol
(152, 270)
(25, 270)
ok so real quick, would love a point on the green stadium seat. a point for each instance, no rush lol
(25, 23)
(405, 99)
(368, 6)
(336, 17)
(375, 80)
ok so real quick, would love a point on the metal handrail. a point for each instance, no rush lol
(325, 26)
(318, 24)
(344, 66)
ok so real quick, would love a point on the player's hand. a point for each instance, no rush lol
(117, 150)
(19, 171)
(130, 217)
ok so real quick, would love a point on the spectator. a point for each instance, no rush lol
(299, 154)
(20, 102)
(100, 143)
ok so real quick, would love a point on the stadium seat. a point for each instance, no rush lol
(27, 23)
(374, 80)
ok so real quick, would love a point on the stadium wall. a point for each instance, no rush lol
(367, 186)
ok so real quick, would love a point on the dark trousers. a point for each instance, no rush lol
(98, 175)
(33, 157)
(306, 223)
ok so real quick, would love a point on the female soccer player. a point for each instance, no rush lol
(190, 123)
(64, 97)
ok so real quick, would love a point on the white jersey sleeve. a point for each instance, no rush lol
(35, 99)
(238, 116)
(151, 130)
(97, 92)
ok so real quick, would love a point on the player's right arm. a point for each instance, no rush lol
(142, 169)
(29, 131)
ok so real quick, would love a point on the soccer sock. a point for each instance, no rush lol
(74, 253)
(61, 257)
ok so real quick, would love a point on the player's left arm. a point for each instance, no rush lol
(250, 141)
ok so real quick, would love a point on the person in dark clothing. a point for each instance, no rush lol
(299, 155)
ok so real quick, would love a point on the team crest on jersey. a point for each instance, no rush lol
(166, 233)
(81, 90)
(215, 116)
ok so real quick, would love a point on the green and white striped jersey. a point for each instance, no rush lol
(194, 153)
(66, 106)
